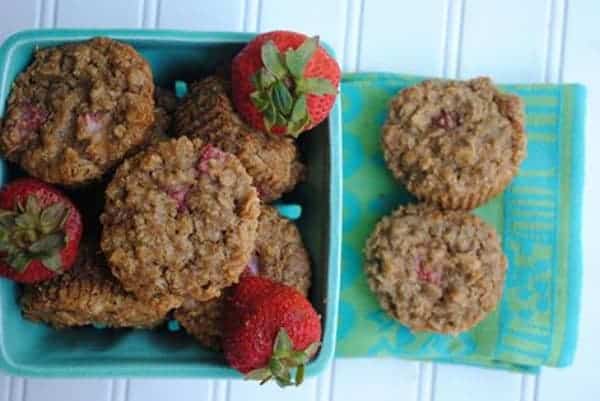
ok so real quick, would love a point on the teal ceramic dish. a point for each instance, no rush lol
(36, 350)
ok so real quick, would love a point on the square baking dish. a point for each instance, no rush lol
(31, 349)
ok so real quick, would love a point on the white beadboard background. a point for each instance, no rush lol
(511, 40)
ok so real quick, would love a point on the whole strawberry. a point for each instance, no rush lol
(269, 329)
(284, 82)
(40, 230)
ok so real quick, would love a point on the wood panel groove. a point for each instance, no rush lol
(323, 386)
(7, 391)
(332, 380)
(55, 9)
(528, 384)
(142, 13)
(361, 21)
(350, 44)
(461, 33)
(159, 11)
(433, 383)
(251, 17)
(38, 13)
(259, 16)
(446, 38)
(17, 389)
(549, 39)
(563, 39)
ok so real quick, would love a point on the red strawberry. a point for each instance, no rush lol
(40, 230)
(269, 328)
(284, 82)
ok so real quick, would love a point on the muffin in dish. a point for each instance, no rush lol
(78, 110)
(180, 220)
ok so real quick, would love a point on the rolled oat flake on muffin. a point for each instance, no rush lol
(77, 110)
(454, 143)
(279, 255)
(180, 219)
(433, 270)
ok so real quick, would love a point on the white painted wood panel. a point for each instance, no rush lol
(13, 18)
(66, 390)
(99, 14)
(453, 383)
(160, 390)
(4, 388)
(507, 39)
(222, 15)
(375, 379)
(313, 17)
(251, 391)
(581, 64)
(402, 36)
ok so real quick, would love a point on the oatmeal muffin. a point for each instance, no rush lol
(77, 110)
(433, 270)
(180, 220)
(455, 144)
(89, 294)
(207, 113)
(279, 255)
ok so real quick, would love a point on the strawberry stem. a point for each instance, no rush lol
(284, 359)
(33, 233)
(281, 88)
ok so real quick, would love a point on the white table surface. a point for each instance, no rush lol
(511, 40)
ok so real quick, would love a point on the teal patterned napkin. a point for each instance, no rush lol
(538, 218)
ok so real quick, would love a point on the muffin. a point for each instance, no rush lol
(455, 144)
(89, 294)
(77, 110)
(207, 113)
(433, 270)
(180, 220)
(279, 255)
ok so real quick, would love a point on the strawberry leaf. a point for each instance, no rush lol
(53, 217)
(282, 98)
(284, 381)
(48, 243)
(299, 118)
(312, 349)
(53, 262)
(256, 80)
(267, 79)
(296, 60)
(18, 261)
(299, 375)
(7, 217)
(271, 59)
(259, 100)
(32, 206)
(315, 86)
(261, 374)
(25, 221)
(283, 344)
(277, 368)
(270, 116)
